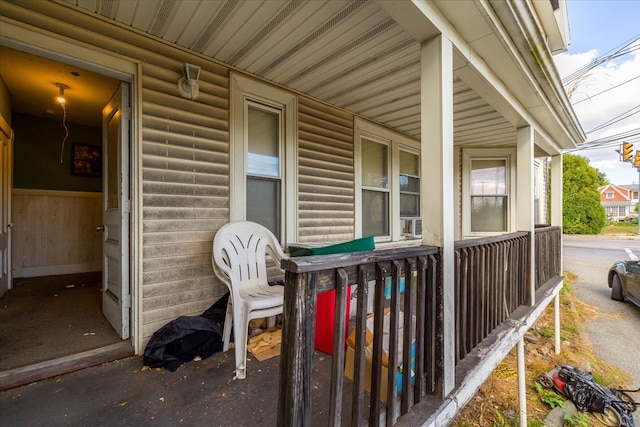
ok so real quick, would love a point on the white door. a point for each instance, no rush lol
(116, 290)
(6, 177)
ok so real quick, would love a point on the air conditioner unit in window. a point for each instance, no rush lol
(411, 227)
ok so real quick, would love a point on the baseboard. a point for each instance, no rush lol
(55, 270)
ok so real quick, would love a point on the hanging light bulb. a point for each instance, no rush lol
(62, 101)
(61, 88)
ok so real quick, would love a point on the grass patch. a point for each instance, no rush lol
(620, 228)
(496, 403)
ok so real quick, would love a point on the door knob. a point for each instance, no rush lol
(101, 228)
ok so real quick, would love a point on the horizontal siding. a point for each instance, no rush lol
(185, 185)
(325, 173)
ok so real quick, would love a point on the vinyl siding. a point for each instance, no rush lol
(325, 173)
(185, 185)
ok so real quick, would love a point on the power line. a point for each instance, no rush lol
(606, 90)
(609, 141)
(615, 119)
(623, 49)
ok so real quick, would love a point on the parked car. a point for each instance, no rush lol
(624, 281)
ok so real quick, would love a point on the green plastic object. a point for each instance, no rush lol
(308, 249)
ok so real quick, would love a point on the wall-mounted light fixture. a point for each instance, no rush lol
(61, 87)
(188, 83)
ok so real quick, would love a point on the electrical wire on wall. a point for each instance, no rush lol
(61, 99)
(66, 131)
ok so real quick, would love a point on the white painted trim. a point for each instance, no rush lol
(53, 46)
(525, 216)
(242, 87)
(522, 384)
(50, 45)
(395, 141)
(468, 154)
(436, 172)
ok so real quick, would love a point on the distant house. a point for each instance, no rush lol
(619, 201)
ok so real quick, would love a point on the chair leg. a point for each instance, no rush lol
(228, 324)
(271, 321)
(240, 326)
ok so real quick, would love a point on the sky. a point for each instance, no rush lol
(606, 99)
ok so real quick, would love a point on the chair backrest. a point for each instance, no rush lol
(240, 252)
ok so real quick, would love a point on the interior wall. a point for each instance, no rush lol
(37, 153)
(55, 213)
(54, 232)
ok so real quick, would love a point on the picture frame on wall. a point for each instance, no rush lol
(86, 160)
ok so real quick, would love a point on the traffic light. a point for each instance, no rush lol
(636, 160)
(627, 147)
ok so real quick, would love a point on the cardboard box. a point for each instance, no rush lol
(368, 360)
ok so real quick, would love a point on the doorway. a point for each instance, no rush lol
(54, 306)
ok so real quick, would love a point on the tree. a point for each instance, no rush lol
(582, 211)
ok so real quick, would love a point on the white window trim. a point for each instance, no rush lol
(363, 128)
(469, 154)
(243, 87)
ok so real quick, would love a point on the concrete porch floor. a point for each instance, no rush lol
(202, 393)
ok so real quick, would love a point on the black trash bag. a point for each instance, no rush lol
(588, 396)
(186, 337)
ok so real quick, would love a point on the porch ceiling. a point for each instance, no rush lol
(349, 53)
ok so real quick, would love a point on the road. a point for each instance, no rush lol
(615, 334)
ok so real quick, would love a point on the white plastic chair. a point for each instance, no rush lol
(239, 258)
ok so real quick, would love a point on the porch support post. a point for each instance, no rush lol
(524, 199)
(437, 169)
(522, 385)
(556, 220)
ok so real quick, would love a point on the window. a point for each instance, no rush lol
(375, 188)
(388, 178)
(409, 184)
(264, 176)
(487, 186)
(488, 195)
(609, 195)
(263, 157)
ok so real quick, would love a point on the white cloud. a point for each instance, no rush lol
(602, 95)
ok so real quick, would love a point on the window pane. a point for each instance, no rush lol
(263, 157)
(488, 177)
(409, 184)
(488, 214)
(374, 164)
(263, 203)
(409, 205)
(375, 213)
(409, 164)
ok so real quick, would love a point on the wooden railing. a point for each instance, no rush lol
(548, 244)
(491, 282)
(414, 269)
(492, 279)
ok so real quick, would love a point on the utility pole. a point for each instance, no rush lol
(636, 164)
(626, 156)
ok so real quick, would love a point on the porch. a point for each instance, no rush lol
(306, 387)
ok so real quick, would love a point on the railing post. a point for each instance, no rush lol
(294, 402)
